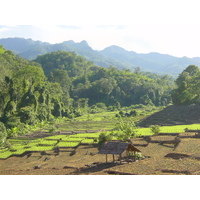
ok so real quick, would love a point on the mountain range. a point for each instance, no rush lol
(110, 56)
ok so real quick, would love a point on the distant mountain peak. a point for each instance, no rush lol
(117, 49)
(69, 42)
(84, 43)
(113, 55)
(114, 47)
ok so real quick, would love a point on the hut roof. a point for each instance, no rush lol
(117, 147)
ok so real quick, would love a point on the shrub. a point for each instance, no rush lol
(127, 130)
(101, 105)
(133, 113)
(117, 115)
(186, 129)
(121, 113)
(103, 137)
(155, 129)
(52, 130)
(98, 108)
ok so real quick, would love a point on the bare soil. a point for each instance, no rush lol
(159, 159)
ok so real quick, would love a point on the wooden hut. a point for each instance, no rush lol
(117, 148)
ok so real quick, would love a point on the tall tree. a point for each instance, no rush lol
(188, 82)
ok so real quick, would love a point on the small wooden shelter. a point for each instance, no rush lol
(117, 148)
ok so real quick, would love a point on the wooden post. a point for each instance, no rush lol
(120, 158)
(113, 157)
(106, 158)
(127, 156)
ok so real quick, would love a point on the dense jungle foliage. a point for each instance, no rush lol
(63, 84)
(188, 87)
(111, 86)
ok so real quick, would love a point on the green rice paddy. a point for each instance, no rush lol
(168, 129)
(19, 146)
(68, 144)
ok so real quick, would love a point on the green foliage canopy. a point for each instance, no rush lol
(188, 86)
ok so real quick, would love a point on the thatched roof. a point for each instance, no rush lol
(117, 147)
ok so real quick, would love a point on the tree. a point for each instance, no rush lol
(188, 82)
(34, 75)
(127, 130)
(61, 77)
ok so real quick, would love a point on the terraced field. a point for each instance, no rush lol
(73, 149)
(21, 146)
(159, 156)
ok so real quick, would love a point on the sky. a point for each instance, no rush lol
(143, 26)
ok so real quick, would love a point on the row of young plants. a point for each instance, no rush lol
(123, 131)
(20, 146)
(23, 129)
(90, 121)
(155, 129)
(127, 130)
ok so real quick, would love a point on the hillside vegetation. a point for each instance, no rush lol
(57, 110)
(64, 84)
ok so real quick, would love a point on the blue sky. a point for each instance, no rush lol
(170, 27)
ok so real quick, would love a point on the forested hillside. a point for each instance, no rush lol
(26, 96)
(110, 56)
(110, 86)
(63, 83)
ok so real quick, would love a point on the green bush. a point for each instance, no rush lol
(133, 113)
(127, 130)
(121, 113)
(52, 130)
(155, 129)
(103, 137)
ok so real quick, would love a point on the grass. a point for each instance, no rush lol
(68, 144)
(72, 139)
(86, 135)
(56, 137)
(47, 142)
(17, 147)
(19, 152)
(88, 141)
(40, 148)
(103, 116)
(169, 129)
(5, 154)
(87, 125)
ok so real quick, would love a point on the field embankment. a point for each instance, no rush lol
(174, 115)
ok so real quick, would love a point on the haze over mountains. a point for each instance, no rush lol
(113, 55)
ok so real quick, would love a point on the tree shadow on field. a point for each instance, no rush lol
(95, 167)
(167, 145)
(168, 134)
